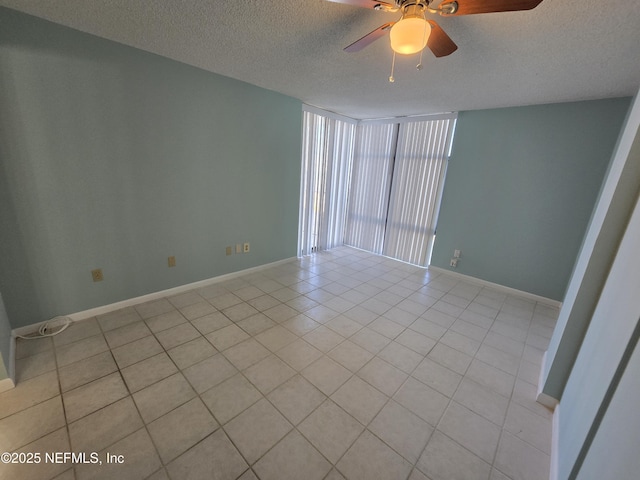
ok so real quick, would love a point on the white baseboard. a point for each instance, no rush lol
(92, 312)
(497, 286)
(11, 368)
(555, 432)
(9, 383)
(6, 384)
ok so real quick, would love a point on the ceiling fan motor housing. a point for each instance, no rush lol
(445, 8)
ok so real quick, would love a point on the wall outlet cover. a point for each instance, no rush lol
(97, 275)
(453, 263)
(238, 248)
(229, 250)
(171, 261)
(247, 247)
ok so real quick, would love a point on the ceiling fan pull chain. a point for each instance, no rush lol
(424, 34)
(393, 65)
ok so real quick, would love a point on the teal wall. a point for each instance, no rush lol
(520, 188)
(115, 158)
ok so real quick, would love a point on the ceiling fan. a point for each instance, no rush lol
(413, 32)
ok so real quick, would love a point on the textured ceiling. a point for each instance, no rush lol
(563, 50)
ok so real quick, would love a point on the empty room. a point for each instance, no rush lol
(319, 239)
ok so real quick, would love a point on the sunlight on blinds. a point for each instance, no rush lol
(340, 144)
(327, 149)
(418, 177)
(371, 179)
(375, 186)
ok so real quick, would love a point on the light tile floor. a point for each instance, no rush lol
(340, 365)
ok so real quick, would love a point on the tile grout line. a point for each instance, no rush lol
(302, 278)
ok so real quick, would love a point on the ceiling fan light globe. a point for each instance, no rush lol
(409, 35)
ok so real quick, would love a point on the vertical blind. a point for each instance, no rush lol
(327, 150)
(418, 177)
(371, 178)
(375, 186)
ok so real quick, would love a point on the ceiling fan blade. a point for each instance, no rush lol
(369, 38)
(439, 42)
(470, 7)
(363, 3)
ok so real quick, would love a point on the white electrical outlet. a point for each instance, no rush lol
(238, 248)
(247, 247)
(453, 263)
(457, 253)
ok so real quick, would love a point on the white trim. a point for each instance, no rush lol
(6, 384)
(377, 121)
(541, 397)
(92, 312)
(302, 184)
(326, 113)
(555, 434)
(546, 400)
(11, 368)
(509, 290)
(413, 118)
